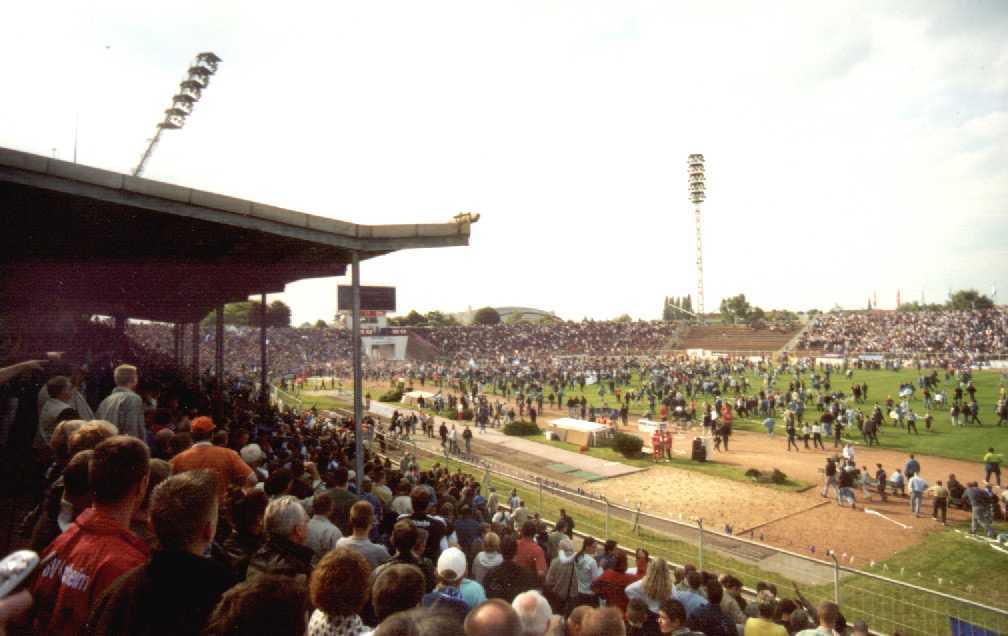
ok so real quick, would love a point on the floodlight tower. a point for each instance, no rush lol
(190, 91)
(697, 194)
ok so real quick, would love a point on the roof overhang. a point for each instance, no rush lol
(82, 239)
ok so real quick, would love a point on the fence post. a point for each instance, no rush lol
(539, 479)
(700, 527)
(836, 577)
(605, 500)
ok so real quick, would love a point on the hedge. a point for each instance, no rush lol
(522, 428)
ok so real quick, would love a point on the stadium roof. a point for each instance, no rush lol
(77, 238)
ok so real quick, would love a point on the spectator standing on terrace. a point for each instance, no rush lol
(203, 455)
(98, 548)
(322, 533)
(611, 585)
(672, 619)
(183, 513)
(343, 500)
(447, 596)
(435, 527)
(361, 521)
(56, 408)
(829, 615)
(124, 407)
(530, 556)
(488, 559)
(763, 624)
(710, 619)
(339, 592)
(284, 552)
(654, 588)
(508, 579)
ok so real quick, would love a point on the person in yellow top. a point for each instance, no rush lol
(992, 465)
(764, 625)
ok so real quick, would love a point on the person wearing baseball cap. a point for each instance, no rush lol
(451, 568)
(203, 455)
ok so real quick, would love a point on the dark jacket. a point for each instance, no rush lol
(710, 620)
(281, 557)
(508, 580)
(239, 549)
(172, 594)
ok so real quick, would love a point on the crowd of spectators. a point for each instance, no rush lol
(955, 333)
(589, 337)
(324, 351)
(162, 519)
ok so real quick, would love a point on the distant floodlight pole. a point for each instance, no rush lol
(190, 91)
(697, 194)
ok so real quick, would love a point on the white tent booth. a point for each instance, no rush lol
(580, 432)
(413, 397)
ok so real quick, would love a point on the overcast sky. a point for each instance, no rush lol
(851, 148)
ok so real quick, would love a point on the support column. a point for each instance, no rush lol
(177, 338)
(263, 374)
(219, 353)
(357, 388)
(195, 352)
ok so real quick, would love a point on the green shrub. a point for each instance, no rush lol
(627, 445)
(522, 428)
(392, 395)
(778, 477)
(754, 474)
(452, 414)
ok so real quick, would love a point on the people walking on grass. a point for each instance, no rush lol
(768, 424)
(974, 413)
(817, 435)
(911, 422)
(806, 434)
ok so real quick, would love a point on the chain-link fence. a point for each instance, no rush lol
(886, 604)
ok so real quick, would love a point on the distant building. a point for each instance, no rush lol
(528, 314)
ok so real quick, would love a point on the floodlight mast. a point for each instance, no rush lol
(697, 194)
(190, 91)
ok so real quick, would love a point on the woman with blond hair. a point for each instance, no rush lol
(655, 587)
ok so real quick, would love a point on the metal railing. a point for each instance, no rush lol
(886, 604)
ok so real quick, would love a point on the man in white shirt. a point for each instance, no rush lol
(77, 402)
(124, 407)
(322, 533)
(60, 395)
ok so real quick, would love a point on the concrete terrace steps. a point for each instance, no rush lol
(735, 338)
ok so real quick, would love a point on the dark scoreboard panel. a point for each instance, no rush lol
(371, 298)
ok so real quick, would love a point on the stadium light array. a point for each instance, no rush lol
(697, 193)
(190, 91)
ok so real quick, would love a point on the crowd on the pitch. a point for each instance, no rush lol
(170, 512)
(983, 332)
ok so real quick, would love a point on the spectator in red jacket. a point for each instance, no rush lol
(612, 584)
(99, 547)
